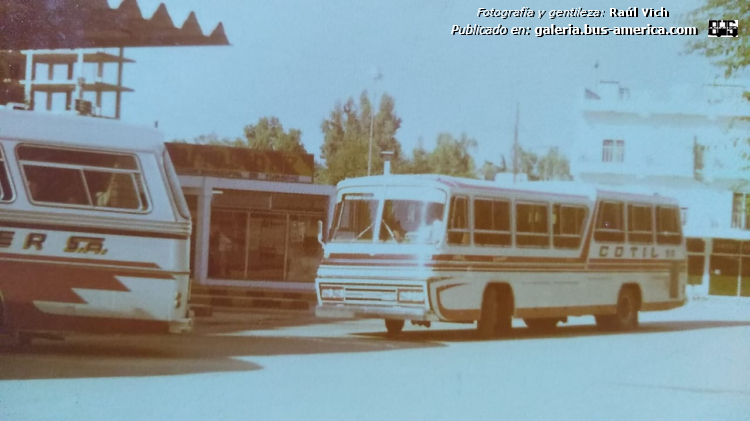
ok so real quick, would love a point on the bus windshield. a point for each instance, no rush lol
(411, 221)
(355, 218)
(403, 220)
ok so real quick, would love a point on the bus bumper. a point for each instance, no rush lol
(374, 312)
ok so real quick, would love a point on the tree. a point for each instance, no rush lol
(554, 166)
(453, 156)
(214, 139)
(526, 162)
(489, 170)
(269, 134)
(346, 142)
(731, 54)
(420, 162)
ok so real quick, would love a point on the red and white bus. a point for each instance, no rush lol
(436, 248)
(94, 230)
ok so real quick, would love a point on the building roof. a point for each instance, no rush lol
(76, 24)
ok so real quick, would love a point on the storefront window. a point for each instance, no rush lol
(226, 249)
(304, 250)
(265, 252)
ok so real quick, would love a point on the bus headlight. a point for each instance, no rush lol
(411, 296)
(178, 300)
(332, 293)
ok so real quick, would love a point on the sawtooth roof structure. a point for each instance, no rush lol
(79, 24)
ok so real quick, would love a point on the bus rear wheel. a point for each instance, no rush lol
(394, 326)
(541, 324)
(626, 317)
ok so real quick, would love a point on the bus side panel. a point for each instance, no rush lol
(457, 298)
(70, 280)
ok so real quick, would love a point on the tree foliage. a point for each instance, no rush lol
(730, 54)
(267, 134)
(489, 169)
(452, 156)
(346, 142)
(553, 166)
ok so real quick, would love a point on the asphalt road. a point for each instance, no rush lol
(691, 363)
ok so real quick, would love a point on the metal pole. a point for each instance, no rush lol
(515, 147)
(118, 95)
(369, 155)
(376, 75)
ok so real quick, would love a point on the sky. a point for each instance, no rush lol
(295, 59)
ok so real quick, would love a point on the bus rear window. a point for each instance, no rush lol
(92, 179)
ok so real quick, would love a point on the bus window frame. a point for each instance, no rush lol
(476, 231)
(582, 231)
(5, 167)
(547, 234)
(598, 232)
(465, 232)
(82, 169)
(679, 234)
(629, 232)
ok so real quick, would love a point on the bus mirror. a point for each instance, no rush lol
(320, 234)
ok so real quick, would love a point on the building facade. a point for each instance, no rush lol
(689, 144)
(255, 215)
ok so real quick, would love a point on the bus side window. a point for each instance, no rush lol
(610, 225)
(640, 223)
(6, 187)
(458, 221)
(567, 225)
(668, 228)
(532, 225)
(492, 222)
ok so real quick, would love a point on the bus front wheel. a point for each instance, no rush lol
(495, 314)
(393, 326)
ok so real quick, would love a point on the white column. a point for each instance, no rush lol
(702, 289)
(29, 75)
(202, 229)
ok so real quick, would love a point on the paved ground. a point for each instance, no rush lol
(690, 363)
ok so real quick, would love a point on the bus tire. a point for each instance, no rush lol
(488, 315)
(545, 324)
(627, 310)
(394, 326)
(3, 313)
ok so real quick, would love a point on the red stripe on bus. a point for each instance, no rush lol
(81, 260)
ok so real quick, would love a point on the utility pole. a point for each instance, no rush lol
(515, 147)
(376, 76)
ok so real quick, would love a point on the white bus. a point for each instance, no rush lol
(94, 230)
(435, 248)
